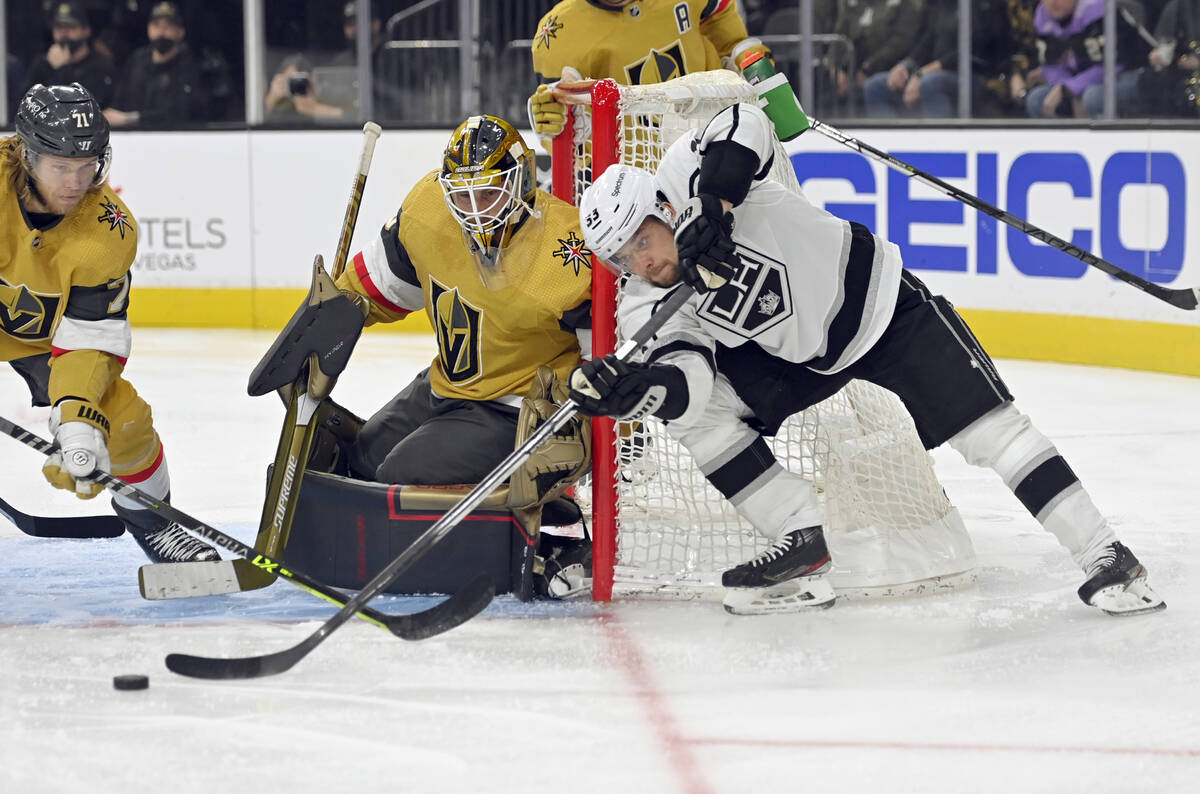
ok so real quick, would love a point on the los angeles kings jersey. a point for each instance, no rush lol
(812, 289)
(65, 289)
(649, 41)
(490, 342)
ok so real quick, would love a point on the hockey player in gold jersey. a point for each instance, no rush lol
(66, 245)
(500, 269)
(635, 42)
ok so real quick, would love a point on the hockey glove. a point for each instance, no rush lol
(546, 114)
(81, 433)
(629, 391)
(707, 258)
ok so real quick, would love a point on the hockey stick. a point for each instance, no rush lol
(303, 397)
(459, 608)
(1183, 298)
(79, 527)
(281, 661)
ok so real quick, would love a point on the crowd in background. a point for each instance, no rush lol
(155, 64)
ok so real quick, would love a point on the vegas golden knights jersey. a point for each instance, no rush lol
(490, 342)
(65, 289)
(649, 41)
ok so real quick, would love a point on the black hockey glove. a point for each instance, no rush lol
(611, 387)
(702, 236)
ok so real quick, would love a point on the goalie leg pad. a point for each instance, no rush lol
(561, 459)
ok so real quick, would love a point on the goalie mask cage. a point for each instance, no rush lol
(659, 528)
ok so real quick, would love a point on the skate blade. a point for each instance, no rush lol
(796, 595)
(1125, 600)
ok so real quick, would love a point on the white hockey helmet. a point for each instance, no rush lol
(613, 208)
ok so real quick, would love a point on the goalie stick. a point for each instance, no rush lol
(77, 527)
(304, 370)
(1184, 298)
(281, 661)
(457, 609)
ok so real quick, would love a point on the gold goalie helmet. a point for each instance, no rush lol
(488, 177)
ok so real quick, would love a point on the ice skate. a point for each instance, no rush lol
(790, 576)
(163, 540)
(568, 567)
(1117, 584)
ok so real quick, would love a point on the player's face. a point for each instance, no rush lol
(651, 254)
(63, 182)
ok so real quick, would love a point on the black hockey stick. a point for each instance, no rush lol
(459, 608)
(79, 527)
(281, 661)
(1183, 298)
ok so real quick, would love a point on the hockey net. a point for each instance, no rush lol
(659, 527)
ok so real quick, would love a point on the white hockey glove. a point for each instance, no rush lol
(81, 433)
(707, 259)
(628, 391)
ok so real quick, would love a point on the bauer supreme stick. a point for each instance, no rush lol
(457, 609)
(1183, 298)
(281, 661)
(77, 527)
(186, 580)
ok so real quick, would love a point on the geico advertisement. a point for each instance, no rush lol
(252, 209)
(1121, 195)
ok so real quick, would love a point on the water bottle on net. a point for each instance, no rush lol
(782, 106)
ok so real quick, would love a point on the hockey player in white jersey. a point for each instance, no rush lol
(792, 303)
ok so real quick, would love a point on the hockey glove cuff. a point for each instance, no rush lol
(629, 391)
(81, 433)
(707, 259)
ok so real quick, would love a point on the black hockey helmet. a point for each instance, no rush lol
(63, 121)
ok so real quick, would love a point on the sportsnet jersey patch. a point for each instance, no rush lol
(573, 252)
(115, 217)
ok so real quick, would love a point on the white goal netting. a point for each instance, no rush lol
(890, 526)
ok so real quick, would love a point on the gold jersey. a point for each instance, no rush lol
(490, 342)
(65, 289)
(649, 41)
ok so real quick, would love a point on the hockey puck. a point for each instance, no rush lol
(129, 682)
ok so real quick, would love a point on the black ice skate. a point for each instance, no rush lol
(788, 577)
(568, 567)
(1117, 584)
(163, 540)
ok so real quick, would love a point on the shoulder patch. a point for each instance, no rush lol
(116, 217)
(548, 30)
(573, 253)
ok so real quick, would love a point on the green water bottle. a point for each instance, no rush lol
(782, 107)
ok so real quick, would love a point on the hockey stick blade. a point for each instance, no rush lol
(469, 601)
(73, 527)
(454, 611)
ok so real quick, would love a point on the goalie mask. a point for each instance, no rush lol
(488, 179)
(613, 208)
(63, 121)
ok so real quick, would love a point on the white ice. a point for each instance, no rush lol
(1012, 685)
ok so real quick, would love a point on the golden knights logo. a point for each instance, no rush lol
(26, 315)
(548, 31)
(659, 66)
(573, 252)
(115, 217)
(458, 327)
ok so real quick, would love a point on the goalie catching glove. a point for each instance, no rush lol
(707, 259)
(81, 435)
(628, 390)
(561, 459)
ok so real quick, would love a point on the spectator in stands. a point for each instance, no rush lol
(1171, 86)
(293, 95)
(1069, 79)
(882, 31)
(71, 58)
(926, 80)
(161, 84)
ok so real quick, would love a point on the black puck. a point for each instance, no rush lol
(128, 682)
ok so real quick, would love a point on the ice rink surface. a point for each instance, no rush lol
(1009, 686)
